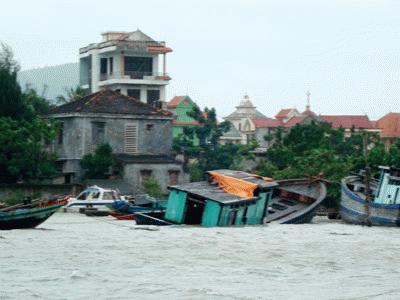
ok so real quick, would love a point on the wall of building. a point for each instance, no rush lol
(72, 144)
(133, 174)
(154, 137)
(90, 73)
(260, 133)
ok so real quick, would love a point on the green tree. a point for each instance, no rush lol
(73, 94)
(24, 135)
(209, 154)
(97, 165)
(23, 156)
(11, 101)
(311, 149)
(35, 105)
(151, 187)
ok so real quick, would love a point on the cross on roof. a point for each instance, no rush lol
(308, 94)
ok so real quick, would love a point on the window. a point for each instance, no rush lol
(98, 129)
(153, 96)
(137, 67)
(103, 65)
(111, 65)
(173, 177)
(61, 133)
(145, 174)
(135, 93)
(131, 138)
(82, 196)
(109, 196)
(149, 126)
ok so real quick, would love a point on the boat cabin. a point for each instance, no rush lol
(388, 191)
(98, 193)
(227, 198)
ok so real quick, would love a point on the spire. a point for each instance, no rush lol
(245, 102)
(308, 106)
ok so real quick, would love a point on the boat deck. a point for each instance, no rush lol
(281, 208)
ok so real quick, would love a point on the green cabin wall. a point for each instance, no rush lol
(211, 214)
(224, 217)
(176, 206)
(239, 216)
(216, 214)
(255, 212)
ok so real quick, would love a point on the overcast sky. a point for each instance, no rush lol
(346, 52)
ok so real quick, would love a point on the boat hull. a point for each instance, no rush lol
(28, 218)
(122, 216)
(299, 212)
(76, 205)
(353, 209)
(151, 218)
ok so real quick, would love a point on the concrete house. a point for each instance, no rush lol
(129, 62)
(241, 119)
(389, 126)
(180, 106)
(350, 123)
(139, 134)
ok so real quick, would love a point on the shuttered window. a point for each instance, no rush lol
(131, 138)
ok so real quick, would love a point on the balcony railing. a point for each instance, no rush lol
(136, 75)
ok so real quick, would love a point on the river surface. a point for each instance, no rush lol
(72, 256)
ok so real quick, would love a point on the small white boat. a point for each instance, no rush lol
(93, 197)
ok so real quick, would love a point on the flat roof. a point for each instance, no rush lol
(206, 190)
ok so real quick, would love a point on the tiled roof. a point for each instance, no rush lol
(111, 102)
(309, 113)
(295, 120)
(266, 123)
(348, 122)
(390, 125)
(283, 113)
(175, 101)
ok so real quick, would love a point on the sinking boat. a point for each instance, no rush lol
(231, 198)
(93, 197)
(27, 216)
(367, 201)
(295, 201)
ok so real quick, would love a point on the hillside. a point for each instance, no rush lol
(51, 81)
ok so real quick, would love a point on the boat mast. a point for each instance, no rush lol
(368, 195)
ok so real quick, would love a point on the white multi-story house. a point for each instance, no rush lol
(129, 62)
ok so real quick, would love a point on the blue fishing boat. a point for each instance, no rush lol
(372, 202)
(123, 210)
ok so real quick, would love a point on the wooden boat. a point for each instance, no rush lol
(123, 210)
(238, 198)
(21, 217)
(372, 202)
(151, 218)
(122, 216)
(295, 201)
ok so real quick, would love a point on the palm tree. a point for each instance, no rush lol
(72, 95)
